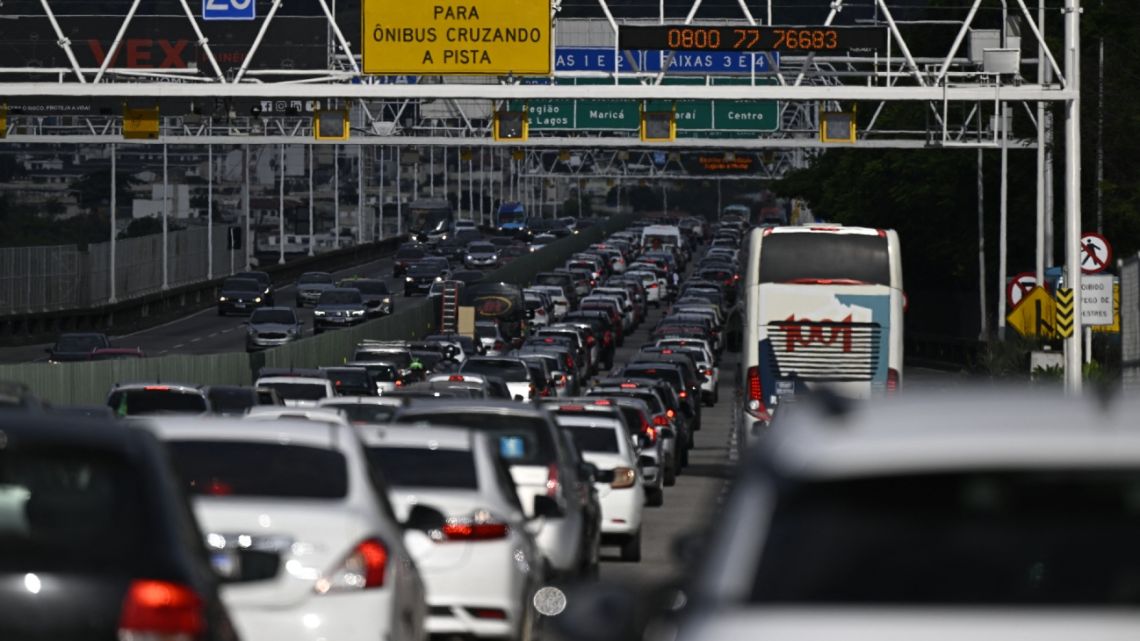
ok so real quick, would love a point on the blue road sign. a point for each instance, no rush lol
(229, 9)
(696, 62)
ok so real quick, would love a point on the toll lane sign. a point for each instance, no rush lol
(448, 38)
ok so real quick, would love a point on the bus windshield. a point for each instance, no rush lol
(429, 216)
(840, 259)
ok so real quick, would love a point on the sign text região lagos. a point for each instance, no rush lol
(471, 37)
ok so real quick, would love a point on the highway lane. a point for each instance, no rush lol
(204, 332)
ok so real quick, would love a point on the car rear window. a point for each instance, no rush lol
(365, 412)
(298, 391)
(1036, 538)
(593, 439)
(139, 402)
(512, 371)
(399, 358)
(231, 401)
(837, 256)
(71, 510)
(523, 440)
(79, 343)
(225, 468)
(423, 467)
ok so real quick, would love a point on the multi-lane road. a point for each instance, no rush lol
(204, 332)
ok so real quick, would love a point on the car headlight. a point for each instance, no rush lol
(356, 312)
(387, 301)
(533, 248)
(439, 279)
(266, 291)
(470, 257)
(494, 257)
(257, 300)
(222, 299)
(318, 312)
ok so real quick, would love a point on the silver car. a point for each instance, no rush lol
(272, 327)
(481, 255)
(311, 285)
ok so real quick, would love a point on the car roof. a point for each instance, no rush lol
(312, 380)
(181, 387)
(291, 431)
(423, 435)
(489, 406)
(359, 400)
(959, 430)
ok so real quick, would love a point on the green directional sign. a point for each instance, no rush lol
(703, 118)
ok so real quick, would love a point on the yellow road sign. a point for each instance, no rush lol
(1114, 328)
(1065, 321)
(140, 123)
(472, 37)
(1034, 315)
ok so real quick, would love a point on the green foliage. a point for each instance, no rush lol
(93, 190)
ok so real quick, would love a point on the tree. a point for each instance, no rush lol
(93, 190)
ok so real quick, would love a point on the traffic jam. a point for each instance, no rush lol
(423, 487)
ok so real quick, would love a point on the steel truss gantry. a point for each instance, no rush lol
(958, 98)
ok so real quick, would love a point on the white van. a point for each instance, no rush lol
(661, 236)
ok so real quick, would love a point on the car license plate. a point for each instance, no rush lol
(785, 388)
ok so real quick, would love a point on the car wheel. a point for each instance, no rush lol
(631, 549)
(670, 476)
(654, 497)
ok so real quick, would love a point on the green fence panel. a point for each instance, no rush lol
(89, 382)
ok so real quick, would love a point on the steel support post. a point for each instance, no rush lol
(165, 224)
(1073, 344)
(247, 239)
(1003, 224)
(380, 201)
(210, 212)
(281, 206)
(336, 195)
(114, 219)
(399, 194)
(1042, 141)
(985, 323)
(360, 195)
(312, 205)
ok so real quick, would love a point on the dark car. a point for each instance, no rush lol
(407, 256)
(468, 276)
(96, 540)
(311, 285)
(351, 381)
(240, 296)
(336, 308)
(141, 399)
(116, 353)
(233, 400)
(377, 297)
(266, 284)
(421, 275)
(76, 347)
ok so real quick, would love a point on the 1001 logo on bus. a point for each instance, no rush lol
(822, 332)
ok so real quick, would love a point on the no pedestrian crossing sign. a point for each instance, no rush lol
(444, 38)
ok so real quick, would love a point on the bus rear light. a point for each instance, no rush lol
(892, 381)
(755, 400)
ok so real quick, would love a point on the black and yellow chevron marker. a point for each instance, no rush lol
(1065, 320)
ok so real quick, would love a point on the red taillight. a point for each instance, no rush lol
(590, 340)
(552, 483)
(569, 361)
(661, 419)
(219, 488)
(670, 413)
(629, 385)
(892, 381)
(755, 402)
(157, 388)
(363, 568)
(499, 345)
(455, 378)
(604, 401)
(488, 613)
(571, 408)
(648, 431)
(608, 337)
(159, 609)
(399, 383)
(468, 530)
(684, 394)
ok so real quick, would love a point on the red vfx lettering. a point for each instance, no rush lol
(141, 53)
(815, 333)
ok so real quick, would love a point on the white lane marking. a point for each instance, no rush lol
(195, 340)
(212, 335)
(227, 331)
(164, 351)
(179, 346)
(169, 323)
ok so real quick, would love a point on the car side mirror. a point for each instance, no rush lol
(547, 507)
(424, 518)
(587, 470)
(519, 398)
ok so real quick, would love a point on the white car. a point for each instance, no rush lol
(328, 415)
(301, 529)
(536, 306)
(607, 444)
(494, 343)
(561, 303)
(298, 391)
(483, 567)
(653, 286)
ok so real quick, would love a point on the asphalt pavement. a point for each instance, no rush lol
(204, 332)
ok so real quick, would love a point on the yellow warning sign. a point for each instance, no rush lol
(1065, 321)
(1114, 328)
(1035, 314)
(467, 37)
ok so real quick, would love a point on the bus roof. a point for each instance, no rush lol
(825, 228)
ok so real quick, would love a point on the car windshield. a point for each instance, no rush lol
(298, 391)
(1039, 538)
(425, 468)
(650, 398)
(340, 297)
(551, 279)
(347, 379)
(156, 399)
(511, 371)
(593, 439)
(427, 268)
(365, 412)
(231, 400)
(273, 317)
(372, 287)
(241, 285)
(315, 279)
(56, 501)
(486, 331)
(523, 440)
(222, 468)
(481, 248)
(410, 252)
(79, 343)
(398, 358)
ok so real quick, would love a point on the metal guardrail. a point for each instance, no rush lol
(156, 308)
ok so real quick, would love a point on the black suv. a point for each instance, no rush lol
(421, 275)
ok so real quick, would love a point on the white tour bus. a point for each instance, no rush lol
(823, 305)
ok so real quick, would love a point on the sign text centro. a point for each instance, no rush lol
(469, 37)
